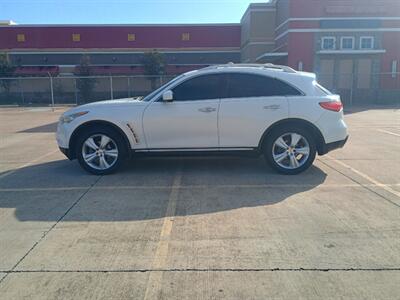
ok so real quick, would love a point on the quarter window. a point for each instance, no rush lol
(328, 43)
(201, 88)
(249, 85)
(367, 42)
(347, 43)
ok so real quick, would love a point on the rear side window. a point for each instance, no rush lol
(201, 88)
(284, 89)
(242, 85)
(323, 89)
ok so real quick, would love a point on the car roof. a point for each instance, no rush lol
(271, 67)
(272, 70)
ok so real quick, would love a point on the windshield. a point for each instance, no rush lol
(165, 86)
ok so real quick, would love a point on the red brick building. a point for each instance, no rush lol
(118, 49)
(353, 45)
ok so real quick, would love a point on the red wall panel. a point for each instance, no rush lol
(117, 37)
(391, 43)
(301, 48)
(343, 8)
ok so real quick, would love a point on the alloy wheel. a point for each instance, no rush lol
(291, 151)
(100, 152)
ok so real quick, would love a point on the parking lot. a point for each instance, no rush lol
(199, 228)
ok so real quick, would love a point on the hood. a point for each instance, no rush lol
(112, 102)
(106, 103)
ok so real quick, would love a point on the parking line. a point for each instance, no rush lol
(365, 176)
(388, 132)
(160, 259)
(28, 164)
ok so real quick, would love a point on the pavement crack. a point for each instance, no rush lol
(397, 269)
(50, 229)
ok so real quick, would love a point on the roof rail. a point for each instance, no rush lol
(281, 67)
(267, 66)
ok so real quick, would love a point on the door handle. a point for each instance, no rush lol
(272, 107)
(207, 109)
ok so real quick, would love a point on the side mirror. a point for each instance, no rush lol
(168, 96)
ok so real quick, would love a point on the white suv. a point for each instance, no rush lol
(262, 109)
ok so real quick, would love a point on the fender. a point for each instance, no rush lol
(319, 138)
(83, 126)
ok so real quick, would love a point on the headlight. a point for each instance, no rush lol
(70, 118)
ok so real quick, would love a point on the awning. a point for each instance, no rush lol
(37, 71)
(363, 52)
(271, 57)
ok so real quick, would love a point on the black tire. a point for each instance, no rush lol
(275, 134)
(111, 133)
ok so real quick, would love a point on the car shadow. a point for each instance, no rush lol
(348, 110)
(144, 189)
(47, 128)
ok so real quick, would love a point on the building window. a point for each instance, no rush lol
(300, 66)
(367, 42)
(76, 37)
(347, 43)
(394, 68)
(21, 37)
(328, 43)
(185, 36)
(131, 37)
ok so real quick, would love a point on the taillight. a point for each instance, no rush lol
(332, 105)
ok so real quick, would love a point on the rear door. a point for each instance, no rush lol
(253, 103)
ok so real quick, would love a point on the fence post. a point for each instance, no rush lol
(111, 88)
(129, 87)
(352, 90)
(51, 90)
(21, 89)
(75, 92)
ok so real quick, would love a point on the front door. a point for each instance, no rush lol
(190, 120)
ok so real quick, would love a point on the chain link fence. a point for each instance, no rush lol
(355, 89)
(359, 89)
(64, 90)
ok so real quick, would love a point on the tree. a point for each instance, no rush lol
(6, 70)
(154, 65)
(85, 84)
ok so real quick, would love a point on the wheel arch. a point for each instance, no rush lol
(316, 132)
(95, 123)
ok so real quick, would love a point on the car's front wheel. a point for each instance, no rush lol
(100, 151)
(290, 150)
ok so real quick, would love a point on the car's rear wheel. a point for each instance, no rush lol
(100, 150)
(290, 150)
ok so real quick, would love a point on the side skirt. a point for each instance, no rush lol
(248, 152)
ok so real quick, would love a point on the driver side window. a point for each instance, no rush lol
(201, 88)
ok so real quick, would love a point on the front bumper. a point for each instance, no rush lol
(332, 146)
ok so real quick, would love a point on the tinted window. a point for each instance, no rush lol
(250, 85)
(201, 88)
(284, 89)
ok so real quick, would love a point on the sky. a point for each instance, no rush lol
(123, 11)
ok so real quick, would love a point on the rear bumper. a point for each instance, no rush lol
(332, 146)
(66, 152)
